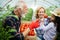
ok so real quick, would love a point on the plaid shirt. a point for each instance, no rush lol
(15, 24)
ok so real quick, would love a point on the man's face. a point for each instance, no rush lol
(25, 9)
(19, 11)
(16, 12)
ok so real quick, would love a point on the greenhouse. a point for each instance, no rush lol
(29, 19)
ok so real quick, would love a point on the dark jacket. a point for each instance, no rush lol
(14, 23)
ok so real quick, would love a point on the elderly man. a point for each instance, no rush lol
(14, 21)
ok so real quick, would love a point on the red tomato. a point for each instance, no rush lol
(31, 33)
(23, 27)
(21, 30)
(45, 15)
(26, 26)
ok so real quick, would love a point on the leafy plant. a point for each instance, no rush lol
(4, 12)
(4, 35)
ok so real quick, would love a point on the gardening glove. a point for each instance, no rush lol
(34, 24)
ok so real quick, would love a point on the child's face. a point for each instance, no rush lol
(52, 17)
(41, 13)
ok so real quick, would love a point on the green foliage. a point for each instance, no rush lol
(51, 8)
(4, 12)
(28, 16)
(4, 35)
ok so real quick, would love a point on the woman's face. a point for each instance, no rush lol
(41, 13)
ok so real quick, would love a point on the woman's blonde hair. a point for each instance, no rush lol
(38, 11)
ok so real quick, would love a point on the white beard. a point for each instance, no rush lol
(23, 15)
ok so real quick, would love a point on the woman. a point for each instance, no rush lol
(14, 22)
(42, 16)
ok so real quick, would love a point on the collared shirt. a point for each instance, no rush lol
(50, 31)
